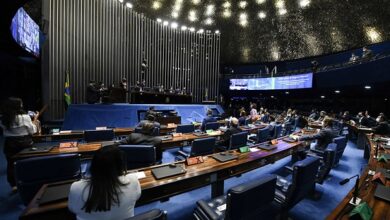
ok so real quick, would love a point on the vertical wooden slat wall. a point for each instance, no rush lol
(104, 40)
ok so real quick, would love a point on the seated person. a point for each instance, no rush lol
(353, 58)
(367, 53)
(109, 193)
(324, 137)
(209, 118)
(367, 120)
(243, 118)
(313, 115)
(253, 113)
(151, 111)
(233, 129)
(93, 93)
(145, 137)
(150, 118)
(322, 116)
(382, 127)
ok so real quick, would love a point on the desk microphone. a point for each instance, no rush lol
(355, 200)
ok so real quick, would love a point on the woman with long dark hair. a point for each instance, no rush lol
(109, 193)
(18, 129)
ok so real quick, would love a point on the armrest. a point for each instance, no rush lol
(182, 153)
(320, 152)
(152, 214)
(282, 183)
(289, 168)
(207, 210)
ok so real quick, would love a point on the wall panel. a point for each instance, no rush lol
(104, 40)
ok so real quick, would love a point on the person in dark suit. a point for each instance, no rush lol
(243, 118)
(324, 137)
(234, 129)
(209, 118)
(367, 120)
(151, 111)
(93, 93)
(382, 127)
(151, 118)
(145, 137)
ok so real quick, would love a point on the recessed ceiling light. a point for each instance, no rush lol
(287, 92)
(121, 1)
(322, 97)
(260, 1)
(304, 3)
(227, 13)
(262, 15)
(183, 28)
(174, 25)
(282, 11)
(242, 4)
(272, 96)
(156, 5)
(165, 23)
(226, 4)
(200, 31)
(192, 29)
(217, 32)
(159, 20)
(129, 5)
(367, 87)
(337, 91)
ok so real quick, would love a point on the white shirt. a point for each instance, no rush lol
(22, 126)
(130, 193)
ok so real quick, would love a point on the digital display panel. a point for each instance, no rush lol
(25, 32)
(301, 81)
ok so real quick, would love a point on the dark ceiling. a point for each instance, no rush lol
(254, 31)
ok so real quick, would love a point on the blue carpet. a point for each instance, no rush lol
(181, 206)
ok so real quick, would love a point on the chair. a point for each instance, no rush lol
(185, 128)
(277, 131)
(212, 126)
(32, 173)
(293, 188)
(200, 147)
(326, 163)
(238, 140)
(341, 143)
(154, 214)
(138, 156)
(99, 135)
(262, 135)
(253, 200)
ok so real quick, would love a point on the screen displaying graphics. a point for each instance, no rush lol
(25, 32)
(301, 81)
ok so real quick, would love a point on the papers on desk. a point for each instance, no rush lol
(101, 128)
(253, 149)
(65, 132)
(140, 175)
(221, 207)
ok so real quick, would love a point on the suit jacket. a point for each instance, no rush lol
(241, 120)
(324, 137)
(207, 120)
(228, 133)
(92, 95)
(382, 128)
(155, 123)
(140, 138)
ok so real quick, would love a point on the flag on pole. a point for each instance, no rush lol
(67, 97)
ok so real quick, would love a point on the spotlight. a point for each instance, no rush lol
(174, 25)
(209, 10)
(183, 28)
(322, 97)
(272, 97)
(242, 4)
(217, 32)
(192, 15)
(200, 31)
(367, 87)
(129, 5)
(208, 21)
(195, 2)
(165, 23)
(227, 13)
(121, 1)
(304, 3)
(159, 20)
(156, 5)
(282, 11)
(262, 15)
(175, 14)
(192, 29)
(287, 92)
(337, 91)
(226, 5)
(260, 1)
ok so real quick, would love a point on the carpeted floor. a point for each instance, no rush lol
(181, 206)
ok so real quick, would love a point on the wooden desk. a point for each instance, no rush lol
(381, 209)
(211, 172)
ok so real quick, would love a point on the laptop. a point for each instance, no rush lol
(39, 148)
(55, 193)
(224, 157)
(167, 171)
(266, 146)
(382, 192)
(289, 140)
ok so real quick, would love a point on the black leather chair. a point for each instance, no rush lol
(185, 128)
(32, 173)
(277, 131)
(253, 200)
(212, 126)
(341, 143)
(262, 135)
(300, 183)
(201, 147)
(138, 156)
(99, 135)
(154, 214)
(326, 163)
(238, 140)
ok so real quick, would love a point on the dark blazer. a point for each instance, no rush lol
(324, 137)
(228, 133)
(207, 120)
(367, 122)
(382, 128)
(155, 123)
(241, 120)
(140, 138)
(92, 95)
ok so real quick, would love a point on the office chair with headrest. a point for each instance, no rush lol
(326, 163)
(201, 147)
(99, 135)
(32, 173)
(252, 200)
(262, 135)
(138, 156)
(293, 188)
(212, 126)
(277, 131)
(238, 140)
(341, 143)
(185, 128)
(154, 214)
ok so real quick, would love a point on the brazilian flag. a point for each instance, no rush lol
(67, 98)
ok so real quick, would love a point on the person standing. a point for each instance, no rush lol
(18, 129)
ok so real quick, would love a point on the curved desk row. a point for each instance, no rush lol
(380, 208)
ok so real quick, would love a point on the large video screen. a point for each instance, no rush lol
(25, 32)
(301, 81)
